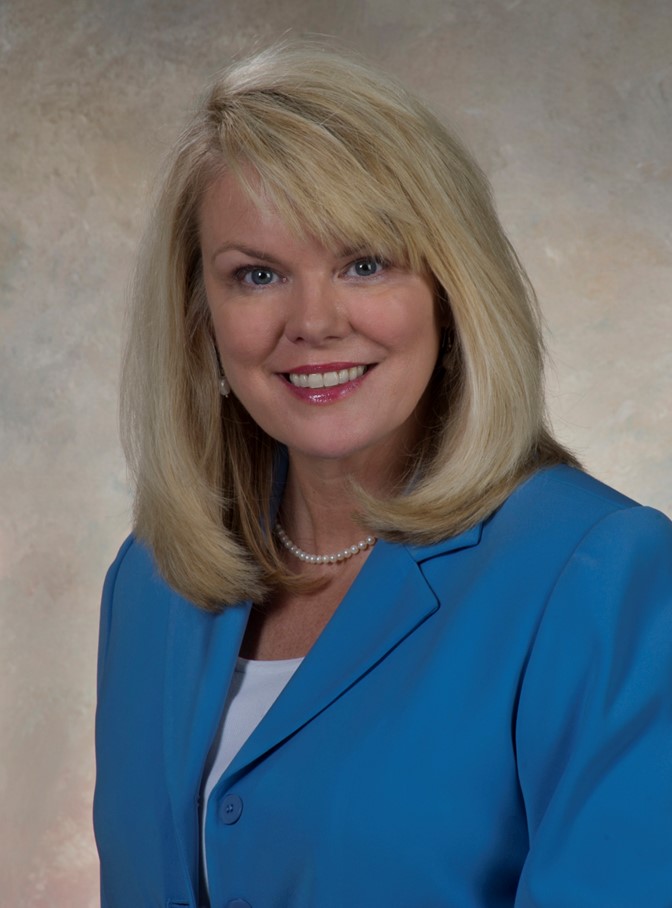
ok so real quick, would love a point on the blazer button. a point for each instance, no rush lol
(238, 903)
(229, 812)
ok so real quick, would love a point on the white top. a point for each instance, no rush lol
(255, 686)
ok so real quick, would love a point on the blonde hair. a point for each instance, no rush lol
(348, 156)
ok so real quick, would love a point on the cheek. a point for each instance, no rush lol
(411, 328)
(243, 340)
(408, 316)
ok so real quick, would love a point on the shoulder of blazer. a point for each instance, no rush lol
(134, 576)
(135, 562)
(574, 500)
(135, 600)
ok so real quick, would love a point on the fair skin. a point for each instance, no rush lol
(330, 351)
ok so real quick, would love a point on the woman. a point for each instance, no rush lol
(375, 640)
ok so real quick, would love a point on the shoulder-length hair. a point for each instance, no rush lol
(348, 156)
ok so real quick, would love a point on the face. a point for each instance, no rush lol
(329, 350)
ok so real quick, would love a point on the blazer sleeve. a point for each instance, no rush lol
(106, 608)
(103, 641)
(593, 729)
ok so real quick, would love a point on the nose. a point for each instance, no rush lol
(316, 313)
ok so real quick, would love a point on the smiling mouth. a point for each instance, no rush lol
(326, 379)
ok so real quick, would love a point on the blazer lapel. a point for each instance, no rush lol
(386, 603)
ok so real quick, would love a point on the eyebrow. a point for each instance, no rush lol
(347, 252)
(260, 255)
(246, 250)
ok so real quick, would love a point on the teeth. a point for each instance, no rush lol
(326, 379)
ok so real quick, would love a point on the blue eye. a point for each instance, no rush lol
(366, 267)
(256, 275)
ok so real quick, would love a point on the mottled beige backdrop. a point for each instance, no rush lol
(567, 104)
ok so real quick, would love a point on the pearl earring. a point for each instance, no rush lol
(224, 386)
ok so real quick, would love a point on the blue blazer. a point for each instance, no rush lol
(484, 723)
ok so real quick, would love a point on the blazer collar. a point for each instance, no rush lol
(389, 599)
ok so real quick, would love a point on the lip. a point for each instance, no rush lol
(322, 396)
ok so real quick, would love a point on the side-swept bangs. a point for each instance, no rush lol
(315, 170)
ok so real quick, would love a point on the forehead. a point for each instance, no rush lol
(229, 205)
(238, 215)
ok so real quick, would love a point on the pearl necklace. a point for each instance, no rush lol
(336, 558)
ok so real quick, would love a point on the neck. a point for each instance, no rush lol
(319, 507)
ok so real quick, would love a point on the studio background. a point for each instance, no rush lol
(567, 106)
